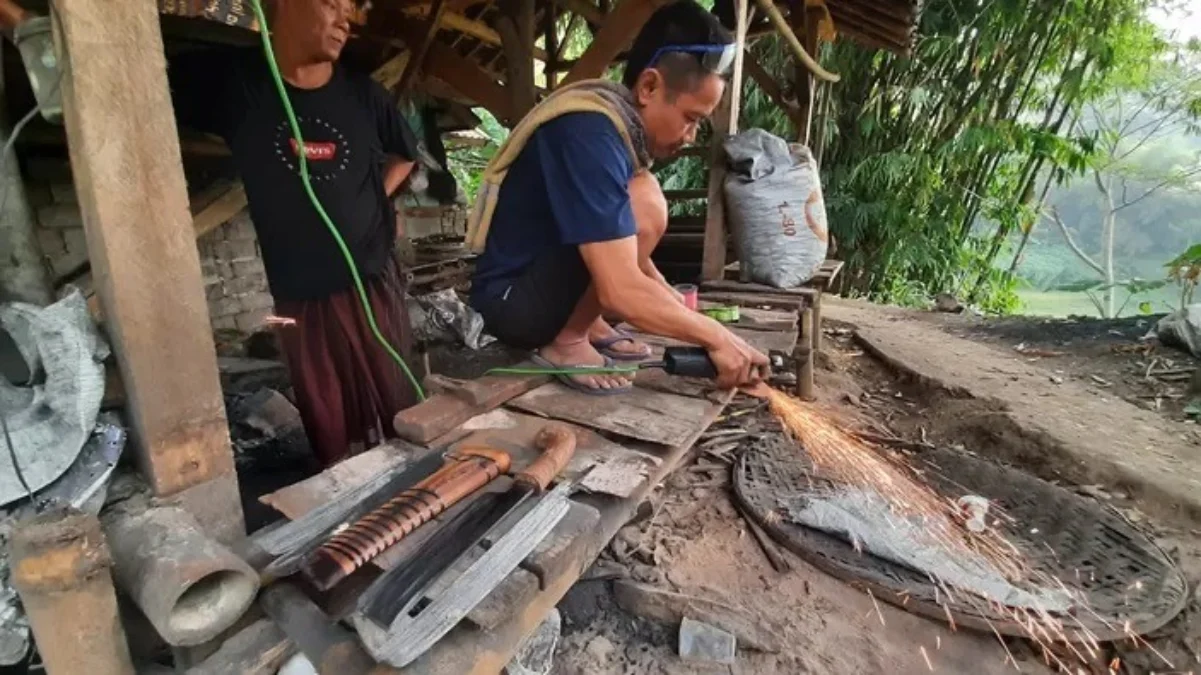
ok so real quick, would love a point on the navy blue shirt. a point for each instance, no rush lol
(569, 186)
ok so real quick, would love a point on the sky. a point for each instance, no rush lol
(1186, 23)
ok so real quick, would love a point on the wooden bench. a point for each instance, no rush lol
(805, 300)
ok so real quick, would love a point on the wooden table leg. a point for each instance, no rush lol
(803, 353)
(817, 321)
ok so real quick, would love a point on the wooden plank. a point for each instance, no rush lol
(420, 48)
(551, 557)
(125, 155)
(762, 319)
(651, 416)
(470, 81)
(616, 33)
(390, 72)
(748, 287)
(680, 195)
(725, 123)
(784, 302)
(441, 413)
(774, 91)
(298, 499)
(259, 649)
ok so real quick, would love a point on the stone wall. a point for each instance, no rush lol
(234, 280)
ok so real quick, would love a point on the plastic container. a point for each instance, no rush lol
(689, 291)
(35, 41)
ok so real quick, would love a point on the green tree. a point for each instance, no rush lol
(1134, 160)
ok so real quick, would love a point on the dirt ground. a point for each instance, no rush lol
(695, 542)
(1108, 355)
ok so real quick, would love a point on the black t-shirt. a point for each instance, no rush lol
(349, 127)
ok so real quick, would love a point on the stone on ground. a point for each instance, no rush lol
(702, 642)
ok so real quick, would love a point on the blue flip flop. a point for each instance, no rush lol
(605, 347)
(568, 380)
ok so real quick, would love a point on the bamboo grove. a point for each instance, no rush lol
(930, 163)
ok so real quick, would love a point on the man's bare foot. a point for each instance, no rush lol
(579, 354)
(608, 340)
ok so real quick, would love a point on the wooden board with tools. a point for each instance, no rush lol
(473, 442)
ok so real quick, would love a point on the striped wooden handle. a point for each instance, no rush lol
(465, 471)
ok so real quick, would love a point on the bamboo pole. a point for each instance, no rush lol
(777, 19)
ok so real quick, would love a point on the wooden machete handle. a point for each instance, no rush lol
(557, 443)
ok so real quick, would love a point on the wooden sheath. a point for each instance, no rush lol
(557, 444)
(465, 471)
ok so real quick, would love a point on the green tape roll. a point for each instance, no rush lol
(726, 314)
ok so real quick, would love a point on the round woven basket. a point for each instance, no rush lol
(1127, 583)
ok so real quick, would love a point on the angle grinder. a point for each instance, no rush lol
(688, 361)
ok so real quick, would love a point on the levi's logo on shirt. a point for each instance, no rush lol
(316, 151)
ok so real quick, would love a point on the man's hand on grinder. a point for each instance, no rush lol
(738, 364)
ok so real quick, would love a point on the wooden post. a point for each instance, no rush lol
(124, 150)
(517, 28)
(805, 22)
(550, 29)
(803, 352)
(725, 123)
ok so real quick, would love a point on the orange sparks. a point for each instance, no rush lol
(927, 658)
(877, 606)
(272, 320)
(841, 457)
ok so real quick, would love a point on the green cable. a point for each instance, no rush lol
(578, 370)
(308, 188)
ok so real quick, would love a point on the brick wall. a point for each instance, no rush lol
(235, 283)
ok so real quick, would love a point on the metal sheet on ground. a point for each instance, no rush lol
(666, 419)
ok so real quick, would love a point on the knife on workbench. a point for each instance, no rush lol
(415, 603)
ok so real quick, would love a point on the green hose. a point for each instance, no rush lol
(308, 188)
(579, 370)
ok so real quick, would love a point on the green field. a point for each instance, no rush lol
(1065, 303)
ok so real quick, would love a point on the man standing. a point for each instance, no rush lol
(359, 150)
(572, 214)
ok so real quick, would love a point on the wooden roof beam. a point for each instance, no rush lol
(615, 35)
(467, 26)
(591, 13)
(465, 77)
(419, 49)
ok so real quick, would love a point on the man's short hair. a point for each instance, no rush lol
(682, 23)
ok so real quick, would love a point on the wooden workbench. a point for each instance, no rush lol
(645, 434)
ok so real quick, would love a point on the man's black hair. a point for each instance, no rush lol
(682, 22)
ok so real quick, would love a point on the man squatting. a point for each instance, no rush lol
(578, 213)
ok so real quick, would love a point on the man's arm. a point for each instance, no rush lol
(396, 136)
(587, 172)
(650, 305)
(396, 171)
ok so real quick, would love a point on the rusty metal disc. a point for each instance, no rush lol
(1126, 582)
